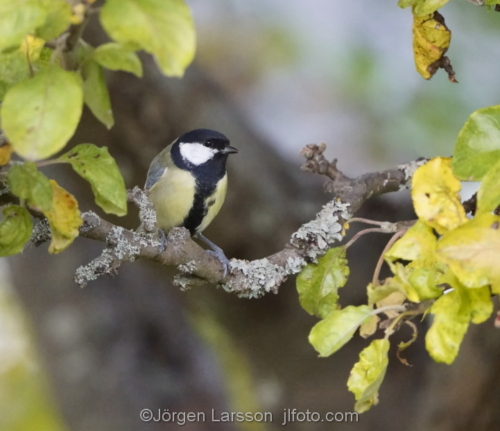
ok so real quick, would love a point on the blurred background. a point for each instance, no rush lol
(273, 76)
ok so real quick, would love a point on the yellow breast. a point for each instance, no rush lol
(172, 197)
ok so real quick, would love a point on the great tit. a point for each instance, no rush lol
(187, 183)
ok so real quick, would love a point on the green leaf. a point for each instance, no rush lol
(423, 282)
(3, 87)
(95, 93)
(28, 183)
(488, 196)
(84, 52)
(163, 28)
(478, 146)
(17, 19)
(368, 374)
(451, 321)
(424, 7)
(114, 56)
(406, 3)
(337, 329)
(318, 284)
(19, 64)
(39, 115)
(101, 171)
(15, 230)
(58, 19)
(418, 284)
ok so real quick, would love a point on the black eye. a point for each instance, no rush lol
(209, 144)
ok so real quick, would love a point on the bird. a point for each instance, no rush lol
(187, 185)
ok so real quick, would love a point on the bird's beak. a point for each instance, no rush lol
(229, 150)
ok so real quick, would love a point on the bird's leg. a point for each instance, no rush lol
(163, 240)
(216, 252)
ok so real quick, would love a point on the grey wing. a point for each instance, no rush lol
(155, 171)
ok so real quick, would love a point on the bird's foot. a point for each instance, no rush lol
(163, 240)
(216, 252)
(221, 257)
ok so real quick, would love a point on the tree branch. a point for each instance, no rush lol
(357, 190)
(249, 279)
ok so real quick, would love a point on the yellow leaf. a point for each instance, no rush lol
(64, 219)
(78, 14)
(418, 284)
(370, 327)
(423, 7)
(31, 47)
(473, 251)
(435, 194)
(477, 300)
(418, 243)
(431, 40)
(377, 294)
(451, 320)
(368, 374)
(480, 303)
(394, 298)
(5, 152)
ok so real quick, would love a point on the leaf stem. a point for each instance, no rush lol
(49, 162)
(390, 329)
(361, 233)
(380, 262)
(401, 308)
(367, 221)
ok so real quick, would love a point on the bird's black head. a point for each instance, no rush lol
(201, 149)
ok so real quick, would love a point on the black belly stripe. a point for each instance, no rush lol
(200, 208)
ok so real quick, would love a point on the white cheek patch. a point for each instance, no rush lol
(195, 153)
